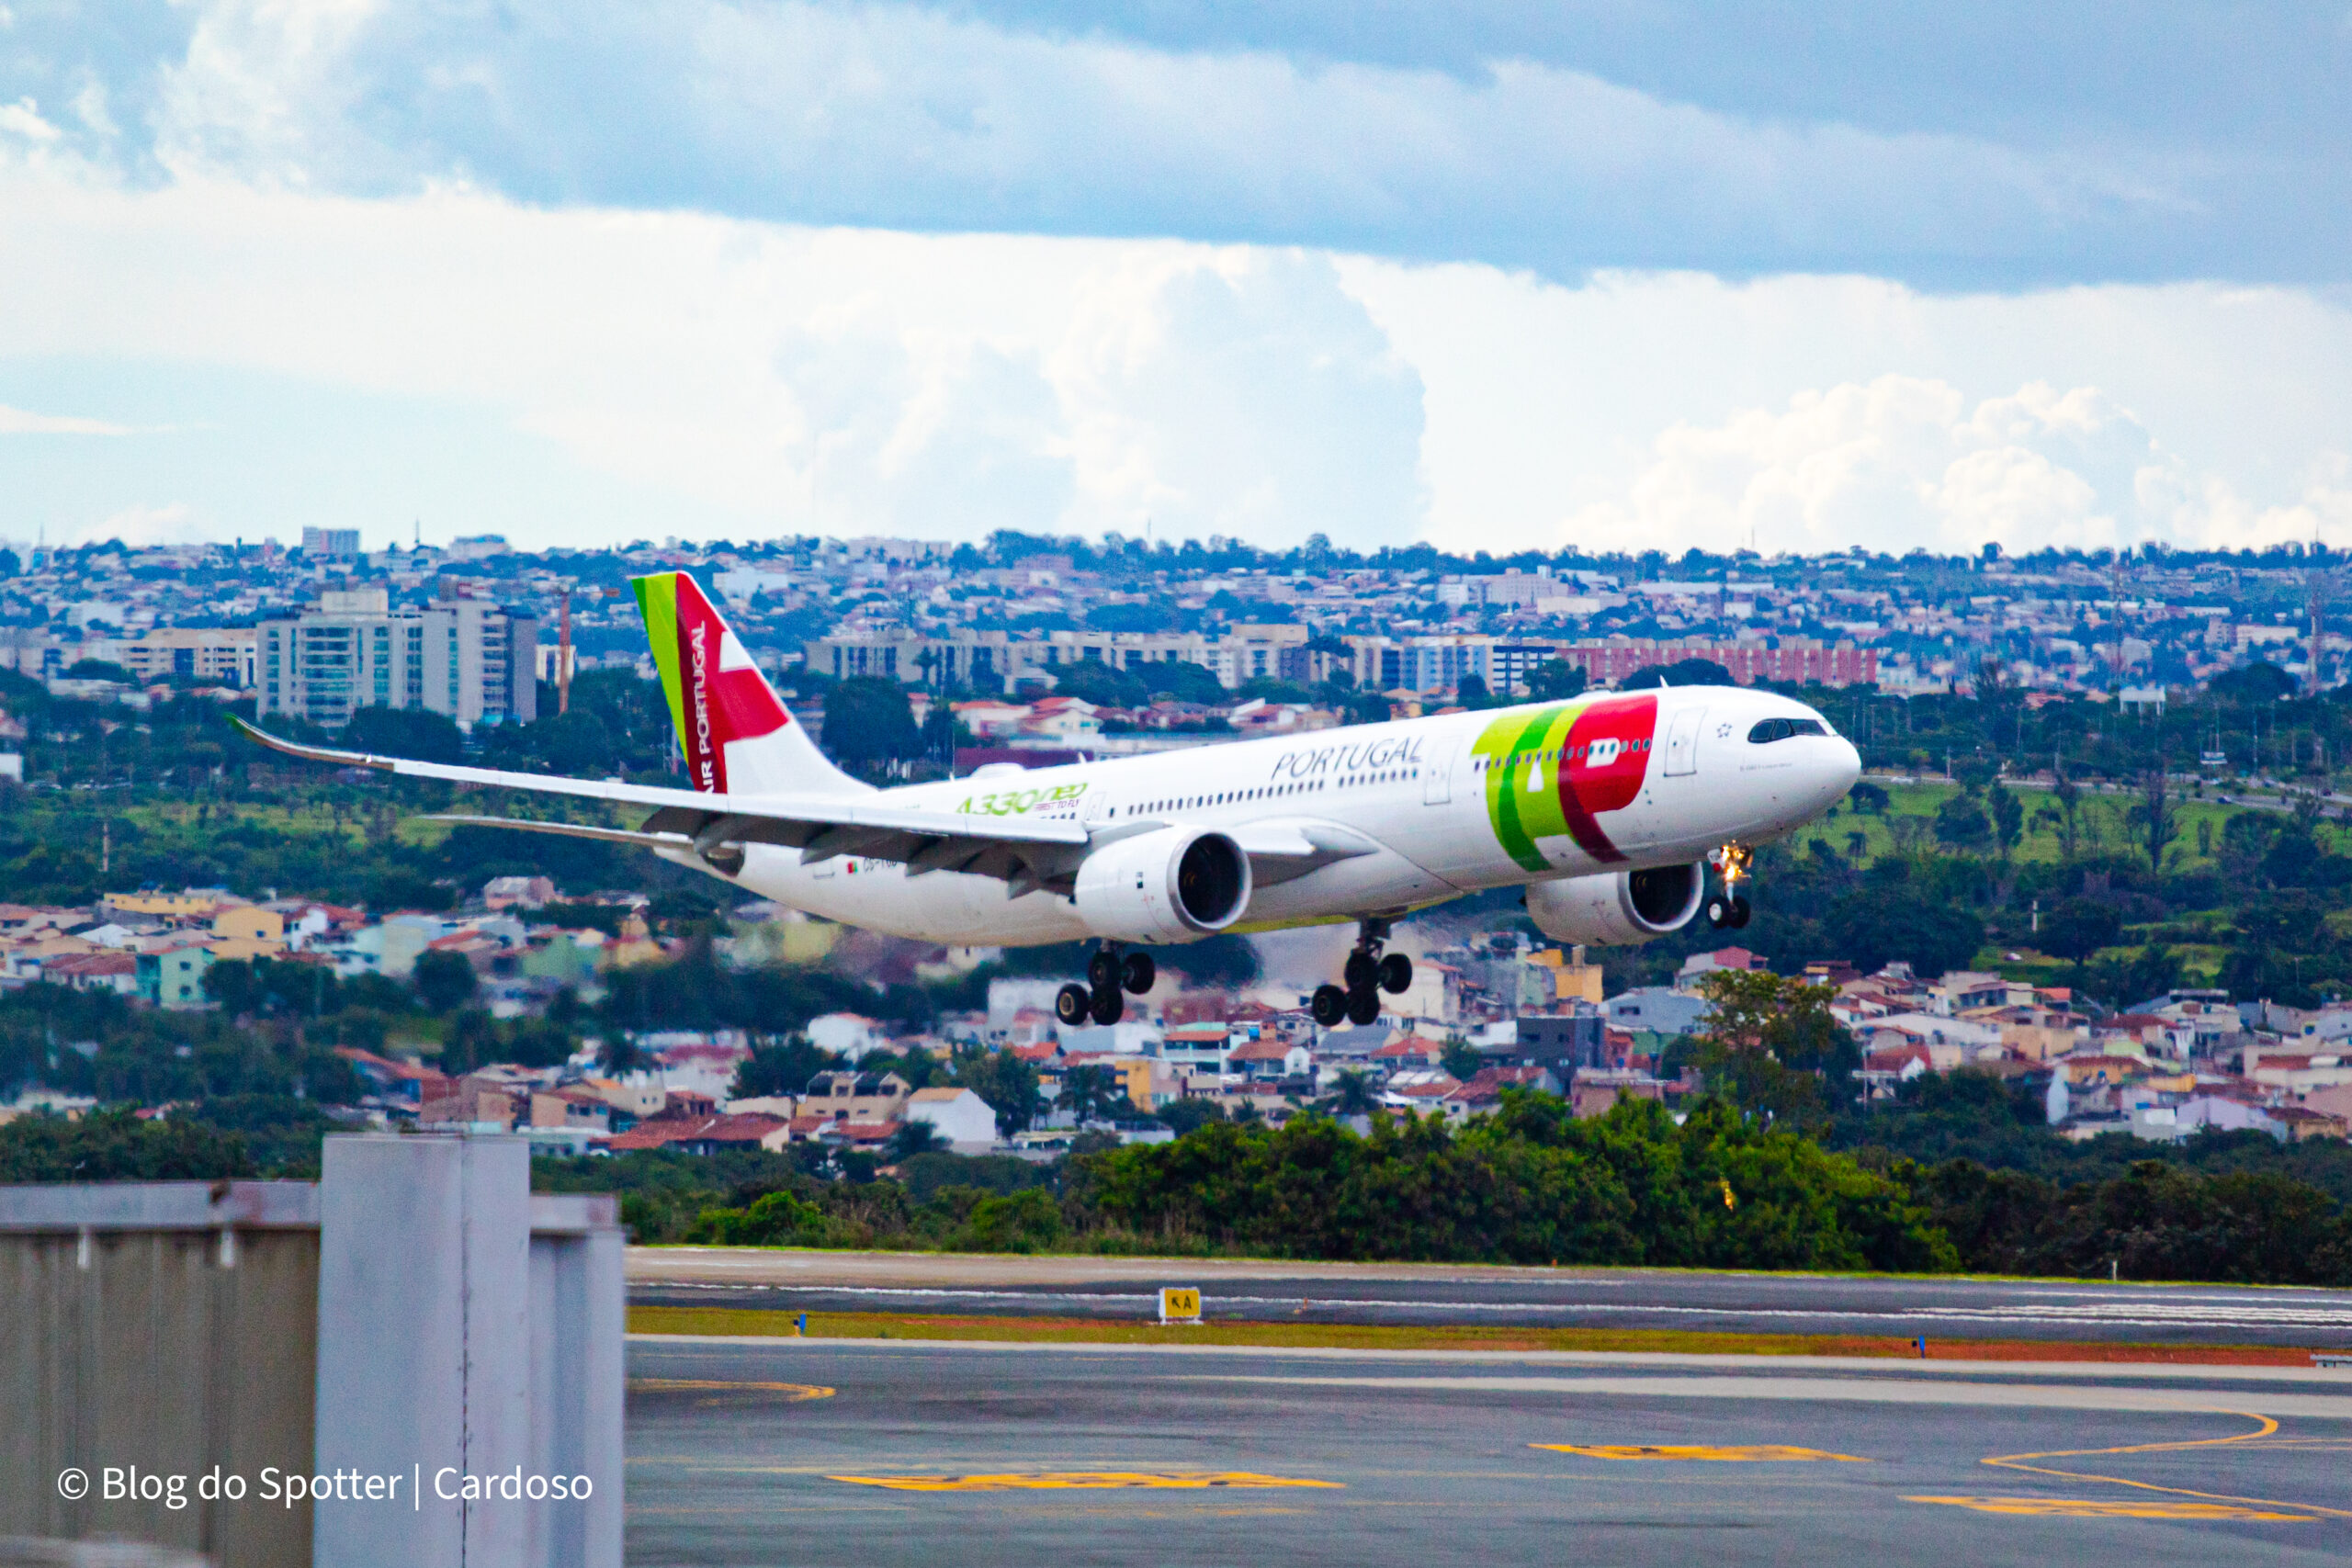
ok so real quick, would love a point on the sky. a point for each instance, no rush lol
(1620, 274)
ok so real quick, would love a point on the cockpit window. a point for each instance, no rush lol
(1769, 730)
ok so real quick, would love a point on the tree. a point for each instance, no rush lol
(1352, 1095)
(1461, 1059)
(1555, 681)
(2156, 818)
(1471, 692)
(914, 1136)
(1007, 1083)
(1961, 824)
(1882, 923)
(417, 733)
(783, 1069)
(1685, 672)
(2069, 796)
(1868, 800)
(1185, 682)
(445, 980)
(1770, 1042)
(1093, 682)
(869, 724)
(2009, 817)
(2079, 927)
(1094, 1094)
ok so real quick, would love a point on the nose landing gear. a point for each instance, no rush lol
(1365, 976)
(1728, 910)
(1107, 974)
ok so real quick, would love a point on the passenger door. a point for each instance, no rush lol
(1682, 742)
(1437, 778)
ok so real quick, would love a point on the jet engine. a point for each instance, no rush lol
(1617, 909)
(1172, 885)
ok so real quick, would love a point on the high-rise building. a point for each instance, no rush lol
(471, 659)
(336, 544)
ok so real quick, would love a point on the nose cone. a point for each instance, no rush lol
(1844, 766)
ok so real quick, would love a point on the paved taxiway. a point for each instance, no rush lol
(877, 1454)
(1406, 1293)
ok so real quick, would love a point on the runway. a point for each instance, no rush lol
(1422, 1294)
(818, 1452)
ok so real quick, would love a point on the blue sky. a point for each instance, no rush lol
(1310, 262)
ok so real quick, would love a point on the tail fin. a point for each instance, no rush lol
(737, 733)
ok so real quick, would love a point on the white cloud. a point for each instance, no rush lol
(909, 116)
(23, 118)
(18, 422)
(567, 374)
(170, 523)
(1900, 463)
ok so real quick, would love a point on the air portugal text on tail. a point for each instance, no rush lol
(738, 737)
(1609, 810)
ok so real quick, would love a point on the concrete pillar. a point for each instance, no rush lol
(425, 1348)
(579, 1299)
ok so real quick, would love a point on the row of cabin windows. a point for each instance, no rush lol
(1266, 792)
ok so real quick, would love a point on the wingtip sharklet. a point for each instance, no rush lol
(312, 754)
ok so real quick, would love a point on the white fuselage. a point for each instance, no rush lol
(1420, 790)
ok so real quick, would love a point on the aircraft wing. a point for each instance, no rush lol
(1019, 849)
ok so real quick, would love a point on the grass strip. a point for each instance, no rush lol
(763, 1322)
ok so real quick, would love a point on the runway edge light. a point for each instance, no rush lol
(1179, 1304)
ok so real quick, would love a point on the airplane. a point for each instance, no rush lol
(1607, 809)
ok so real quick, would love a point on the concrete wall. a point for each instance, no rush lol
(169, 1326)
(418, 1311)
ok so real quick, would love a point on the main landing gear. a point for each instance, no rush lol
(1107, 974)
(1367, 974)
(1728, 910)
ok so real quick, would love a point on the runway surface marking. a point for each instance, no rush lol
(1812, 1389)
(2093, 1508)
(1082, 1481)
(796, 1392)
(1751, 1453)
(2181, 1312)
(2263, 1426)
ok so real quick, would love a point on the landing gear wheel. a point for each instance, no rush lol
(1359, 970)
(1138, 973)
(1328, 1005)
(1102, 971)
(1719, 911)
(1364, 1007)
(1395, 973)
(1109, 1005)
(1739, 910)
(1072, 1004)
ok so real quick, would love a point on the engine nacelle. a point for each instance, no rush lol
(1617, 909)
(1172, 885)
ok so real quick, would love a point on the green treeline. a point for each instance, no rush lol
(1530, 1185)
(1533, 1185)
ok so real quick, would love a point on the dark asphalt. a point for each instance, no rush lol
(1728, 1303)
(735, 1449)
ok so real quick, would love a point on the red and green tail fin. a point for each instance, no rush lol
(737, 736)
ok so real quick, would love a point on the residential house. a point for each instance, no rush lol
(1595, 1090)
(175, 978)
(856, 1097)
(1482, 1093)
(960, 1116)
(517, 892)
(706, 1134)
(1658, 1010)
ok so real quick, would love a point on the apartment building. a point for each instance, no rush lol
(982, 659)
(471, 659)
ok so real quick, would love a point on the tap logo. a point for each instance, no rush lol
(716, 695)
(1555, 771)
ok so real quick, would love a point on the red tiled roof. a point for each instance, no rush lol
(748, 1128)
